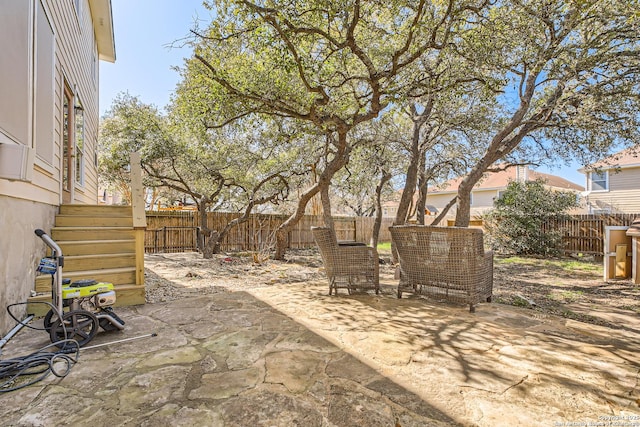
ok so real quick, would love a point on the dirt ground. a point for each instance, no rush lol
(563, 287)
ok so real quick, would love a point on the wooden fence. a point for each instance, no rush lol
(585, 233)
(177, 231)
(173, 231)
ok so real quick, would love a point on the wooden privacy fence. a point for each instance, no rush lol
(173, 231)
(177, 231)
(585, 233)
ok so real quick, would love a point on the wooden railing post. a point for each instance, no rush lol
(139, 216)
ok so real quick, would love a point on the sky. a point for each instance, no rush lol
(144, 31)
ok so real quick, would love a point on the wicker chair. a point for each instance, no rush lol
(444, 262)
(348, 266)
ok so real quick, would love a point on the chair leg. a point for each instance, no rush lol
(399, 293)
(472, 308)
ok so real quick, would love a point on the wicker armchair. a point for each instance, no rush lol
(348, 266)
(444, 262)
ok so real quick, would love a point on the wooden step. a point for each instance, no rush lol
(96, 247)
(126, 295)
(98, 262)
(117, 276)
(93, 221)
(98, 242)
(96, 210)
(91, 233)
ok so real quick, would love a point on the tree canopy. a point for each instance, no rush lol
(419, 89)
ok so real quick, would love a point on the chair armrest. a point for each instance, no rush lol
(350, 243)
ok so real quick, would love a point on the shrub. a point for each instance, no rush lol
(515, 224)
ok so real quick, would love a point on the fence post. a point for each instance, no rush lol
(139, 217)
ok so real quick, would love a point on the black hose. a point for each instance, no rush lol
(24, 371)
(53, 307)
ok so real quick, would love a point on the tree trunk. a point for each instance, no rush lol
(324, 180)
(205, 234)
(406, 200)
(416, 161)
(326, 207)
(421, 203)
(212, 246)
(463, 214)
(377, 223)
(411, 180)
(444, 211)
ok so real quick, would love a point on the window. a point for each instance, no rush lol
(79, 135)
(67, 143)
(599, 181)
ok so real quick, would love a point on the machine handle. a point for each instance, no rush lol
(49, 242)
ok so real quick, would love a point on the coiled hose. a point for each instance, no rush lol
(24, 371)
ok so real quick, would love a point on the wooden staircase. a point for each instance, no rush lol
(100, 243)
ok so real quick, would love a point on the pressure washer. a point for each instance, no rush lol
(79, 308)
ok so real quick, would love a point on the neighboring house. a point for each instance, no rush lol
(48, 124)
(613, 184)
(487, 190)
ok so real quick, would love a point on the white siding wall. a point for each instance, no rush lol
(623, 195)
(25, 206)
(73, 56)
(480, 203)
(440, 200)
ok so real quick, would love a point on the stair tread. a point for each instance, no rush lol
(122, 286)
(75, 242)
(99, 271)
(67, 273)
(91, 227)
(114, 255)
(69, 215)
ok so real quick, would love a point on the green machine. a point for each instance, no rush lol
(80, 308)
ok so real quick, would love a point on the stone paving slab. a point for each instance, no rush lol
(290, 355)
(227, 359)
(499, 366)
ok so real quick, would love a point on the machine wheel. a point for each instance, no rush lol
(79, 325)
(49, 319)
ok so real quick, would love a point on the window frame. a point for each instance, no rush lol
(79, 132)
(605, 187)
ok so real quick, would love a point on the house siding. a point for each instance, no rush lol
(627, 179)
(74, 62)
(482, 200)
(26, 206)
(623, 195)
